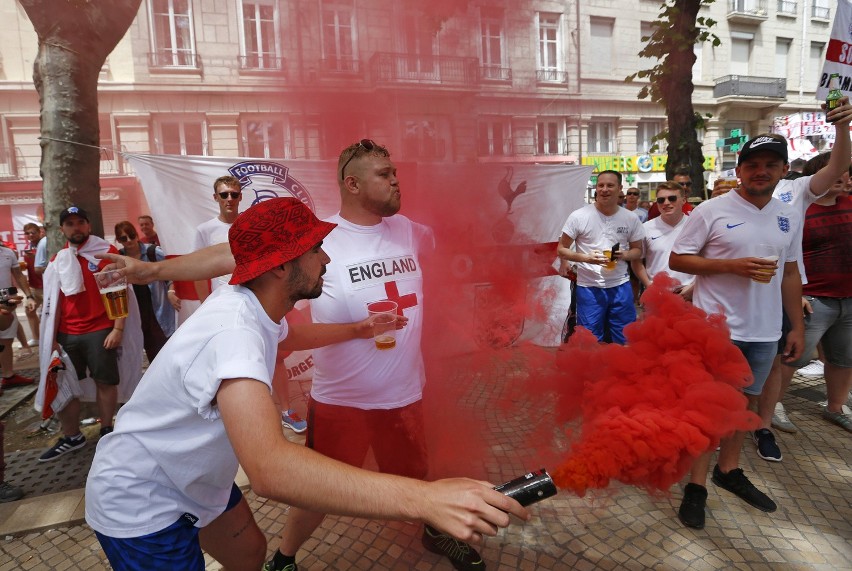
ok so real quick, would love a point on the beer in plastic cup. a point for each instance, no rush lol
(611, 264)
(767, 252)
(384, 323)
(113, 288)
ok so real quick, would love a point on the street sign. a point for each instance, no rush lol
(734, 142)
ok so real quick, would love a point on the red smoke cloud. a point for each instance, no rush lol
(650, 408)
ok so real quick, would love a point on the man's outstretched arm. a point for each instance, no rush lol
(207, 263)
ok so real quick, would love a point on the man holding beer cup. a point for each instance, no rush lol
(75, 317)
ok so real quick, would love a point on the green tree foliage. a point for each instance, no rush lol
(670, 45)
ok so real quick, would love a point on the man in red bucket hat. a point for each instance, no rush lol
(161, 486)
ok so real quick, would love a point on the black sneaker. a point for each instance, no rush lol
(106, 430)
(738, 484)
(766, 445)
(9, 493)
(63, 446)
(691, 512)
(462, 556)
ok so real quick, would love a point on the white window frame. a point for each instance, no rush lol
(487, 23)
(271, 122)
(262, 63)
(549, 70)
(182, 121)
(419, 123)
(543, 141)
(339, 61)
(646, 129)
(506, 150)
(603, 62)
(601, 146)
(174, 52)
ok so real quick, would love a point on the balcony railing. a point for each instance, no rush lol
(601, 146)
(748, 86)
(551, 76)
(261, 62)
(340, 65)
(820, 12)
(747, 11)
(491, 148)
(416, 68)
(174, 59)
(787, 8)
(495, 73)
(551, 146)
(416, 148)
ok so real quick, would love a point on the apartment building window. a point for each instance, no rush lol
(339, 46)
(421, 139)
(260, 35)
(550, 138)
(782, 56)
(741, 52)
(306, 134)
(601, 45)
(549, 48)
(109, 164)
(173, 34)
(7, 156)
(264, 138)
(419, 43)
(600, 137)
(821, 9)
(180, 136)
(815, 61)
(495, 138)
(787, 7)
(645, 132)
(698, 66)
(646, 29)
(493, 46)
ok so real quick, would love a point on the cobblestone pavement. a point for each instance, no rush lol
(619, 528)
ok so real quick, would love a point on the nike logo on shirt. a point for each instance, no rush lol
(655, 237)
(734, 225)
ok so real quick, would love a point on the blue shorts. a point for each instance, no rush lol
(175, 548)
(606, 311)
(760, 355)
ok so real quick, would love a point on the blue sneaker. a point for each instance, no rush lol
(291, 419)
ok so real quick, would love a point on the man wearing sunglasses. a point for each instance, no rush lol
(631, 203)
(683, 178)
(227, 194)
(661, 234)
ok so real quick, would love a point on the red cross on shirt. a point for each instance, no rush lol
(402, 301)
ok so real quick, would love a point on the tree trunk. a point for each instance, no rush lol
(683, 146)
(74, 39)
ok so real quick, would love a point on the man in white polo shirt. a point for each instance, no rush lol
(734, 244)
(661, 233)
(589, 238)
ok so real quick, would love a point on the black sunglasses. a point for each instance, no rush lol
(226, 195)
(687, 183)
(670, 198)
(367, 144)
(123, 239)
(632, 194)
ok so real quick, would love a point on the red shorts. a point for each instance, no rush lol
(346, 434)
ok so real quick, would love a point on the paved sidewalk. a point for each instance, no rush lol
(619, 528)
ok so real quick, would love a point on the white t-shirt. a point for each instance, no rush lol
(8, 260)
(591, 230)
(640, 212)
(657, 245)
(797, 193)
(214, 231)
(371, 263)
(730, 227)
(170, 454)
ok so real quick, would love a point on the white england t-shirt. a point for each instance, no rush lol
(8, 260)
(797, 193)
(170, 454)
(657, 245)
(371, 263)
(214, 231)
(591, 230)
(729, 227)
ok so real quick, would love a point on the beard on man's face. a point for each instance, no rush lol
(78, 237)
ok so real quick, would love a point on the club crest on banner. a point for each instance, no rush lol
(269, 180)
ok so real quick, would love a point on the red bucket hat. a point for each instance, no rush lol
(272, 233)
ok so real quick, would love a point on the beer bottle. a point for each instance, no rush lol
(832, 100)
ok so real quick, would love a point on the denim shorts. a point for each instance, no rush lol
(175, 548)
(831, 323)
(759, 355)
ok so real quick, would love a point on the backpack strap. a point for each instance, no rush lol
(152, 253)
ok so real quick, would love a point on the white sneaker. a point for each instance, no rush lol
(781, 421)
(813, 369)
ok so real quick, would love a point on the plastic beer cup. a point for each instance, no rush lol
(113, 288)
(384, 323)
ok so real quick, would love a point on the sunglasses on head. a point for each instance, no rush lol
(367, 144)
(632, 194)
(670, 198)
(227, 195)
(123, 239)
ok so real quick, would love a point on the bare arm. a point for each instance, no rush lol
(203, 264)
(24, 285)
(791, 298)
(634, 253)
(566, 252)
(638, 268)
(303, 336)
(701, 266)
(290, 473)
(839, 160)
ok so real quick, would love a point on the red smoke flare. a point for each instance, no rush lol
(650, 408)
